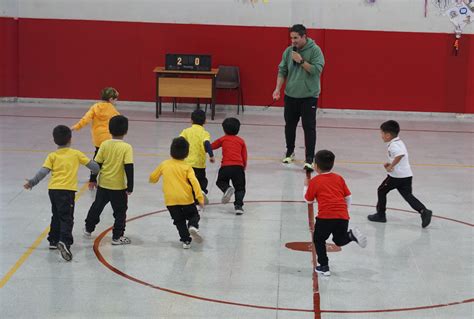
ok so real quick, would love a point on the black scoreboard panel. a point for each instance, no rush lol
(188, 62)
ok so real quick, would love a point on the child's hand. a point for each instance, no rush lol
(212, 159)
(27, 185)
(129, 193)
(388, 167)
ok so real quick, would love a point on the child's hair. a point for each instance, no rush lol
(391, 127)
(62, 135)
(198, 117)
(109, 93)
(118, 125)
(179, 148)
(324, 159)
(231, 126)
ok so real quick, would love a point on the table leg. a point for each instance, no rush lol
(213, 99)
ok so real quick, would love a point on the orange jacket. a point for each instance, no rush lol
(100, 113)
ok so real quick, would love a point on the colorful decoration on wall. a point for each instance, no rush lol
(461, 13)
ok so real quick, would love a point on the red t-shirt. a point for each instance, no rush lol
(329, 190)
(234, 150)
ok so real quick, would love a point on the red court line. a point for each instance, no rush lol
(317, 312)
(246, 124)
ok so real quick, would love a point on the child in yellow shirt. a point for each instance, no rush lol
(199, 144)
(179, 188)
(63, 165)
(99, 114)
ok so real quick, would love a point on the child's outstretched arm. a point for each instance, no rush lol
(30, 183)
(155, 175)
(93, 166)
(129, 173)
(208, 148)
(84, 120)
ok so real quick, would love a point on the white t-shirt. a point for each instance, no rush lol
(396, 147)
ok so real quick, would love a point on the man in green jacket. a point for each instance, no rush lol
(301, 67)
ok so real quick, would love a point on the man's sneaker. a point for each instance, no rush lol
(121, 241)
(379, 218)
(206, 199)
(309, 167)
(65, 252)
(186, 245)
(358, 237)
(53, 246)
(227, 195)
(323, 270)
(86, 233)
(425, 217)
(92, 186)
(195, 234)
(288, 159)
(239, 210)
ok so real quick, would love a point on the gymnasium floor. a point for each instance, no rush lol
(243, 269)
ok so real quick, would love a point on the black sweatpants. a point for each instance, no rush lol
(323, 228)
(306, 109)
(62, 221)
(201, 177)
(119, 200)
(183, 217)
(93, 177)
(403, 185)
(236, 174)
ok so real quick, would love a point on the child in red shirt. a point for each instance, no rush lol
(234, 162)
(334, 201)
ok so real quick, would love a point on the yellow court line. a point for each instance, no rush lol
(35, 245)
(165, 155)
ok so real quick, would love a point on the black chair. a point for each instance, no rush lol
(228, 78)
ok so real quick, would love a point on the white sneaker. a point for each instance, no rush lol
(360, 238)
(206, 199)
(121, 241)
(86, 233)
(309, 167)
(195, 234)
(288, 159)
(227, 195)
(65, 252)
(186, 245)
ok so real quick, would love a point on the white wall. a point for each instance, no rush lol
(386, 15)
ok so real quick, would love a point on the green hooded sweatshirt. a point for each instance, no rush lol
(299, 82)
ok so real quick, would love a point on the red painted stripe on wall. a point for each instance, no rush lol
(365, 69)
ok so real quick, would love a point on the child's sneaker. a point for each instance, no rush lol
(288, 159)
(65, 252)
(239, 210)
(53, 246)
(86, 233)
(121, 241)
(378, 218)
(309, 167)
(358, 237)
(186, 245)
(426, 217)
(323, 270)
(195, 234)
(206, 199)
(227, 195)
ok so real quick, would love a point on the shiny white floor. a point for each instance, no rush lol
(243, 269)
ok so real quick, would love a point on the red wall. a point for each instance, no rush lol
(365, 69)
(8, 57)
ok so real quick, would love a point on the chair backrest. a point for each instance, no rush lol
(228, 75)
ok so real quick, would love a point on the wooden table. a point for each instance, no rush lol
(193, 84)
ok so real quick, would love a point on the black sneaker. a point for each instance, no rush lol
(323, 270)
(379, 218)
(426, 217)
(53, 246)
(239, 210)
(65, 252)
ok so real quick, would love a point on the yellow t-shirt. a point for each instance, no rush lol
(100, 114)
(64, 164)
(179, 182)
(113, 155)
(196, 135)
